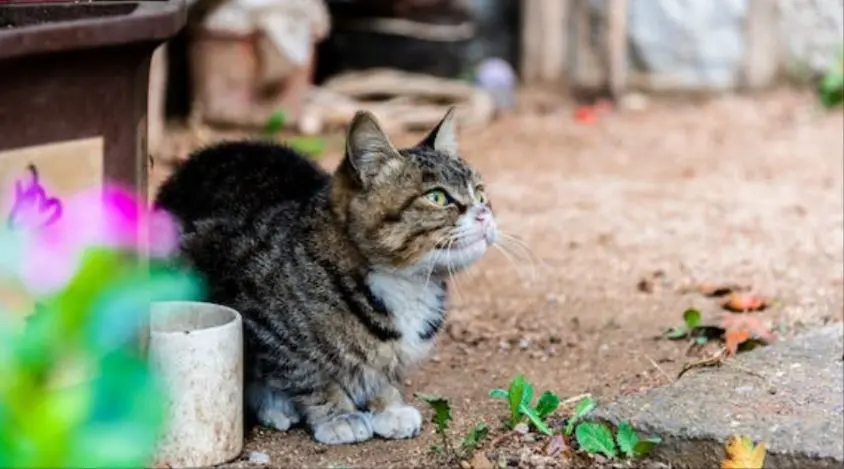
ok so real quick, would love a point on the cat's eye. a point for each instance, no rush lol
(438, 197)
(481, 195)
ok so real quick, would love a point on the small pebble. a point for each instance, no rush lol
(524, 344)
(259, 457)
(529, 438)
(521, 429)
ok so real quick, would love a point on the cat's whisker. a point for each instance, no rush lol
(451, 274)
(509, 250)
(515, 243)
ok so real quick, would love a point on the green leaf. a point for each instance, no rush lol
(477, 434)
(498, 393)
(275, 123)
(627, 439)
(515, 395)
(442, 410)
(527, 395)
(534, 419)
(595, 438)
(547, 404)
(692, 318)
(311, 146)
(701, 340)
(643, 447)
(586, 405)
(676, 333)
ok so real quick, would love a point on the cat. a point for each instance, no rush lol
(341, 278)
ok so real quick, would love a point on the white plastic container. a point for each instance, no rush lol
(198, 350)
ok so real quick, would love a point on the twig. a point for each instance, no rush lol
(715, 360)
(659, 368)
(575, 399)
(718, 359)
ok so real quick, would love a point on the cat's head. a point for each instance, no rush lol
(421, 208)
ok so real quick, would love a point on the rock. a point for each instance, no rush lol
(259, 457)
(802, 422)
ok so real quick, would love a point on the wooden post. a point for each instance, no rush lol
(544, 45)
(761, 58)
(587, 69)
(617, 47)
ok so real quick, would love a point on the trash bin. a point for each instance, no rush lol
(73, 92)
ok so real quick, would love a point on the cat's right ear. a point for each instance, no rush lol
(369, 151)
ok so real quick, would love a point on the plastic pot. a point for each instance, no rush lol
(197, 349)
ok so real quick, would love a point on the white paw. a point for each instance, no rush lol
(274, 418)
(348, 428)
(397, 422)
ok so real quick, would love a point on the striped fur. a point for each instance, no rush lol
(341, 278)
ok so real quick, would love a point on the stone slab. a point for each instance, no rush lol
(796, 407)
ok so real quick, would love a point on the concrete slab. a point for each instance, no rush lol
(797, 409)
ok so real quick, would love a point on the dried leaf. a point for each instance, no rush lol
(556, 445)
(744, 302)
(480, 461)
(734, 338)
(743, 454)
(741, 328)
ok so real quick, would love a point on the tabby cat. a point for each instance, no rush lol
(340, 278)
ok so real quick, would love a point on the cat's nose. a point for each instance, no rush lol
(483, 214)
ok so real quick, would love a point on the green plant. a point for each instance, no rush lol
(313, 147)
(691, 328)
(583, 408)
(441, 419)
(831, 87)
(275, 123)
(519, 396)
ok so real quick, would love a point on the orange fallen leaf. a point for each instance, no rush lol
(741, 328)
(743, 454)
(739, 302)
(734, 338)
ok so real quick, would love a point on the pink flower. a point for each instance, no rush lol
(108, 217)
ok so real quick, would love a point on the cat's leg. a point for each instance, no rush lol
(391, 417)
(333, 418)
(271, 407)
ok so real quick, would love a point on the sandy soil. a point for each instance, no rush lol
(736, 189)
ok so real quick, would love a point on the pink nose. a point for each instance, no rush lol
(483, 215)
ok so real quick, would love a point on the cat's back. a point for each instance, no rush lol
(239, 178)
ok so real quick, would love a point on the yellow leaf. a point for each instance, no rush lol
(742, 454)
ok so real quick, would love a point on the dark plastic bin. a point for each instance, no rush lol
(73, 91)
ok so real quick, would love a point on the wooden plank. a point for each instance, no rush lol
(761, 59)
(543, 41)
(587, 69)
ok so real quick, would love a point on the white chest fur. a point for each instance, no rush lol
(415, 304)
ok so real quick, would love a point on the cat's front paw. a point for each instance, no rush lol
(401, 421)
(343, 429)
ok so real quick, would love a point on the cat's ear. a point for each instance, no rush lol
(368, 149)
(443, 137)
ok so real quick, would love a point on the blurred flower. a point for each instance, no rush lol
(108, 217)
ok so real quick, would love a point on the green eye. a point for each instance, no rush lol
(481, 195)
(438, 197)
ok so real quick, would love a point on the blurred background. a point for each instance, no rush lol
(305, 66)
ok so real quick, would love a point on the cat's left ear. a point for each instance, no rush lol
(443, 137)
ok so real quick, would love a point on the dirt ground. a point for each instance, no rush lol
(736, 189)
